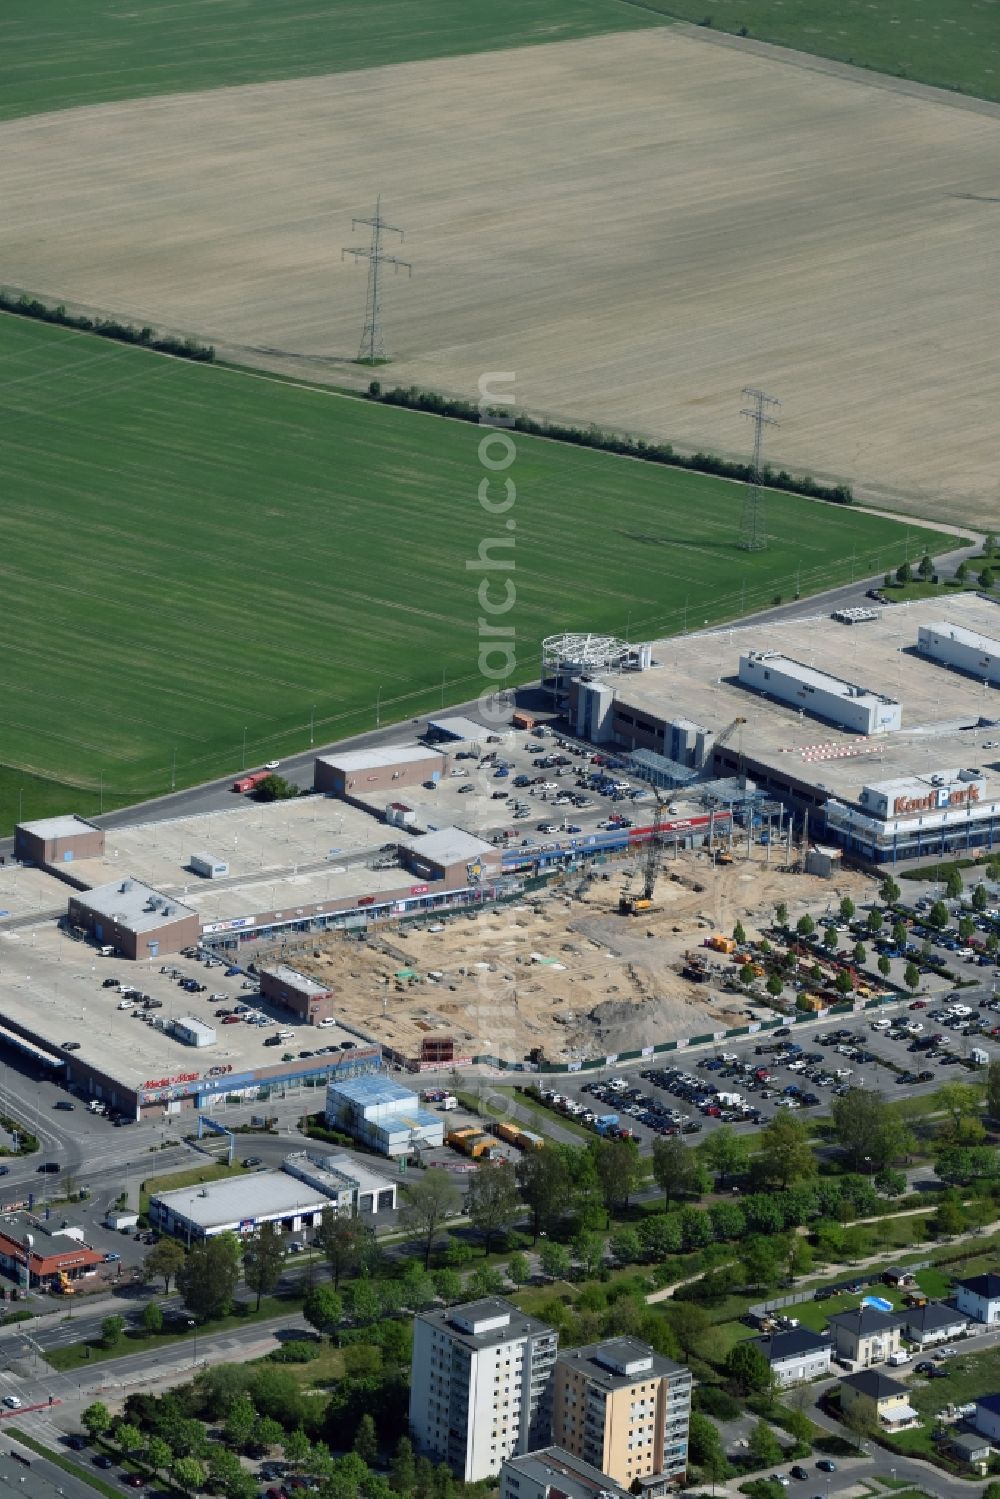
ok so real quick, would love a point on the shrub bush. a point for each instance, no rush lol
(125, 333)
(611, 442)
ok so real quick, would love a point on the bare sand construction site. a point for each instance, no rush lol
(636, 225)
(563, 971)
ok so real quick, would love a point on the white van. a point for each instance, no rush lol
(326, 1022)
(106, 951)
(286, 1035)
(126, 1004)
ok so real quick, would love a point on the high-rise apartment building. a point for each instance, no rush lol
(480, 1385)
(623, 1408)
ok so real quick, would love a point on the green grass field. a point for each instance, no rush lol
(197, 557)
(948, 43)
(55, 54)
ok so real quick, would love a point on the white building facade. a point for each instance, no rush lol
(479, 1386)
(979, 1298)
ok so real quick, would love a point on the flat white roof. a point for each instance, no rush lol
(196, 1027)
(460, 727)
(57, 827)
(450, 846)
(258, 1194)
(376, 758)
(300, 981)
(131, 903)
(812, 677)
(971, 638)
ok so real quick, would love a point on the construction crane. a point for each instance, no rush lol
(728, 732)
(635, 905)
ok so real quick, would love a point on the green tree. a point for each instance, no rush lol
(904, 573)
(241, 1422)
(518, 1269)
(366, 1440)
(781, 914)
(224, 1469)
(448, 1284)
(128, 1436)
(843, 983)
(588, 1251)
(363, 1302)
(427, 1205)
(884, 965)
(341, 1238)
(188, 1474)
(911, 976)
(152, 1317)
(890, 1183)
(274, 789)
(847, 908)
(748, 1369)
(402, 1469)
(966, 927)
(980, 899)
(926, 568)
(830, 939)
(691, 1325)
(953, 885)
(165, 1259)
(805, 926)
(747, 975)
(263, 1258)
(960, 1104)
(986, 578)
(555, 1260)
(485, 1281)
(725, 1152)
(889, 891)
(774, 986)
(545, 1183)
(158, 1453)
(874, 921)
(675, 1167)
(112, 1331)
(739, 934)
(989, 544)
(760, 1258)
(620, 1171)
(962, 572)
(860, 956)
(96, 1419)
(899, 934)
(209, 1275)
(493, 1203)
(764, 1448)
(786, 1154)
(296, 1447)
(868, 1130)
(703, 1438)
(993, 1089)
(323, 1309)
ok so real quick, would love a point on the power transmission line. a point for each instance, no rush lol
(373, 349)
(753, 527)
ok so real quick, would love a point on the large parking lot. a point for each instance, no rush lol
(914, 1047)
(63, 992)
(519, 788)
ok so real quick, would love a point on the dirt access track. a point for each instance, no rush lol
(637, 226)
